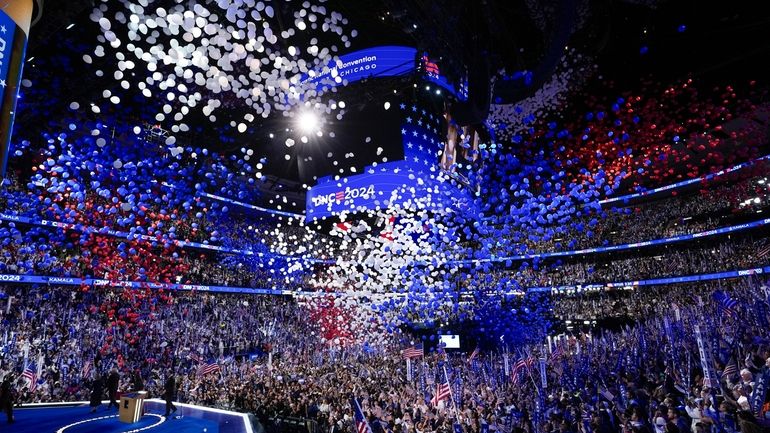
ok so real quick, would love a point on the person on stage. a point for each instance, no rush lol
(97, 389)
(6, 398)
(168, 394)
(136, 381)
(112, 388)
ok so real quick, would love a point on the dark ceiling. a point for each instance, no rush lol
(668, 40)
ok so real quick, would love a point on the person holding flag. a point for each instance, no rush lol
(30, 375)
(361, 424)
(473, 355)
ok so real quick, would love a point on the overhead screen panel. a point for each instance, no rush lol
(384, 61)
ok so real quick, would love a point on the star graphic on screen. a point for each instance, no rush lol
(414, 133)
(424, 136)
(408, 120)
(419, 122)
(419, 147)
(416, 159)
(3, 29)
(403, 106)
(409, 145)
(2, 83)
(403, 131)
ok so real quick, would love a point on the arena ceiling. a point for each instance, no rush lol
(627, 39)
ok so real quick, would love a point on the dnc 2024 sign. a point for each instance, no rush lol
(368, 191)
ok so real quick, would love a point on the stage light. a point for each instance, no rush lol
(308, 121)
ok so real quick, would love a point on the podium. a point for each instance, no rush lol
(131, 406)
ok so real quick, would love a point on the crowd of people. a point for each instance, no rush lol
(710, 207)
(272, 361)
(281, 238)
(291, 357)
(727, 255)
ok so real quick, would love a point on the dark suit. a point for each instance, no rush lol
(6, 399)
(112, 389)
(168, 394)
(96, 393)
(137, 382)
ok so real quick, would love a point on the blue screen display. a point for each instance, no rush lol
(371, 190)
(384, 61)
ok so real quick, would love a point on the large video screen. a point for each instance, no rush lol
(449, 341)
(379, 188)
(384, 61)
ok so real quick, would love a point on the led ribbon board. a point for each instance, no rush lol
(13, 42)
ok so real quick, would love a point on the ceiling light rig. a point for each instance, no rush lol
(308, 122)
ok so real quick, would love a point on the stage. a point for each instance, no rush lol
(75, 418)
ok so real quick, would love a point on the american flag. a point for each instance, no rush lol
(474, 354)
(726, 304)
(207, 368)
(413, 352)
(339, 196)
(362, 426)
(518, 368)
(731, 368)
(86, 371)
(763, 252)
(442, 393)
(556, 354)
(421, 138)
(194, 356)
(30, 375)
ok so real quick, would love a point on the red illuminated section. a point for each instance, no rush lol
(431, 68)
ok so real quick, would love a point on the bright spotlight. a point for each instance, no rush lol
(308, 121)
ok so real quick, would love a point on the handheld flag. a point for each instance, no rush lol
(442, 393)
(210, 367)
(726, 305)
(413, 352)
(473, 355)
(362, 426)
(30, 375)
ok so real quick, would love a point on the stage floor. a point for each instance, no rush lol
(76, 418)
